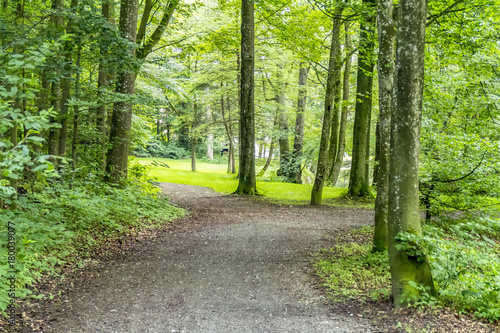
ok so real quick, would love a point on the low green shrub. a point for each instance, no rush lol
(465, 265)
(464, 259)
(55, 227)
(350, 270)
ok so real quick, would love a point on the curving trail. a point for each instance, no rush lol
(242, 266)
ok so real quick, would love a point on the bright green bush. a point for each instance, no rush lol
(53, 226)
(465, 265)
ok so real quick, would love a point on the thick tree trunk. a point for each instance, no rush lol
(247, 182)
(386, 39)
(339, 159)
(410, 274)
(323, 159)
(298, 141)
(121, 122)
(359, 183)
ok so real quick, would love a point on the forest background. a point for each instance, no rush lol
(85, 84)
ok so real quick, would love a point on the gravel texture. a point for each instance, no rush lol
(235, 264)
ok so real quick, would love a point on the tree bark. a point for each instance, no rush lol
(210, 134)
(231, 143)
(334, 132)
(359, 185)
(298, 140)
(247, 182)
(337, 165)
(121, 122)
(409, 273)
(193, 154)
(103, 79)
(227, 126)
(323, 159)
(386, 39)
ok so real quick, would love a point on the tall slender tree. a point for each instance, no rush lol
(339, 159)
(322, 170)
(247, 182)
(298, 141)
(121, 122)
(386, 38)
(359, 184)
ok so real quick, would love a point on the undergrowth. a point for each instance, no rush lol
(62, 223)
(464, 258)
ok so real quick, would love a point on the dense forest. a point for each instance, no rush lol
(400, 98)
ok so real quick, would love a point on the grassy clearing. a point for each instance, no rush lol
(214, 176)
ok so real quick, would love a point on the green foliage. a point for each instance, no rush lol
(158, 148)
(465, 265)
(60, 225)
(350, 270)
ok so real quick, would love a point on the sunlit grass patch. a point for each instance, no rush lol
(215, 177)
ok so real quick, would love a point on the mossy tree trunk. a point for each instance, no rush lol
(406, 271)
(121, 123)
(386, 38)
(247, 182)
(359, 184)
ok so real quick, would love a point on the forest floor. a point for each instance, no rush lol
(234, 264)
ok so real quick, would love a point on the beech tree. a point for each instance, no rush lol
(119, 137)
(410, 272)
(386, 38)
(247, 182)
(359, 184)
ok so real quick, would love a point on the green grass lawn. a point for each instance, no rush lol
(214, 176)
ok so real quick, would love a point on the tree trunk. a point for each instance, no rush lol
(345, 107)
(102, 84)
(377, 151)
(55, 93)
(323, 159)
(76, 108)
(231, 142)
(247, 182)
(298, 139)
(410, 274)
(227, 126)
(386, 38)
(119, 137)
(359, 184)
(284, 142)
(269, 158)
(193, 155)
(210, 135)
(334, 132)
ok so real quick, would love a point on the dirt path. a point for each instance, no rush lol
(241, 267)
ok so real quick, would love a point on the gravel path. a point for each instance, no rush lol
(240, 265)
